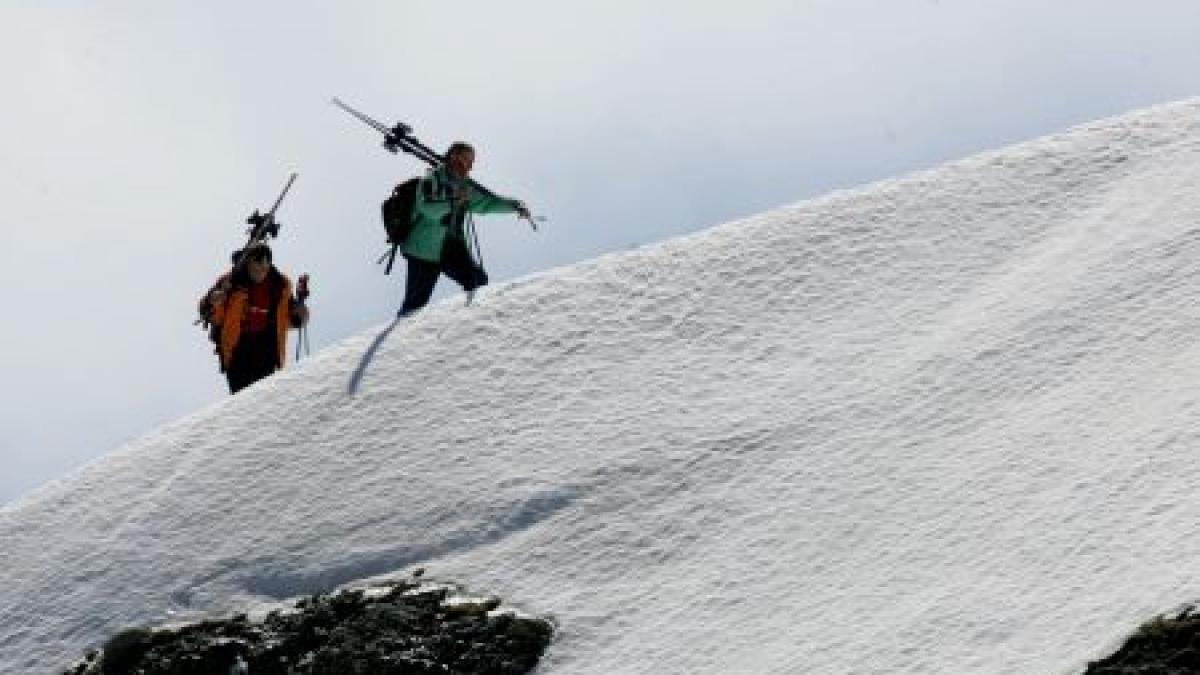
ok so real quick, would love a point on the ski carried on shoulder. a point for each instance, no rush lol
(263, 225)
(399, 137)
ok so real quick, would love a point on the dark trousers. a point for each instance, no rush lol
(254, 358)
(456, 263)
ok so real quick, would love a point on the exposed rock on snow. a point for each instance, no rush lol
(405, 627)
(1166, 644)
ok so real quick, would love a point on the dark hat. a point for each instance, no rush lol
(257, 251)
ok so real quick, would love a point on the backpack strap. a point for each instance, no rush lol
(391, 258)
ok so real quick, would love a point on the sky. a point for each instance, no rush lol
(946, 423)
(136, 137)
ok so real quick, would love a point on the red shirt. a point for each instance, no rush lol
(258, 308)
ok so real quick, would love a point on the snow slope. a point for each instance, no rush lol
(942, 424)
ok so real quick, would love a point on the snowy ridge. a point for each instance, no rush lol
(942, 424)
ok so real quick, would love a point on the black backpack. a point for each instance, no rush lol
(398, 211)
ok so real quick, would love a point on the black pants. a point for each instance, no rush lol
(254, 358)
(457, 264)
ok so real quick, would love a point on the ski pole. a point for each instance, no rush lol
(301, 297)
(470, 226)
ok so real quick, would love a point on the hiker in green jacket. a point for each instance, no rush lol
(438, 241)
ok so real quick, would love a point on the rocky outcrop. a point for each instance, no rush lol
(394, 627)
(1166, 644)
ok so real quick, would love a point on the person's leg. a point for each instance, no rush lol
(254, 358)
(245, 371)
(237, 379)
(418, 286)
(458, 264)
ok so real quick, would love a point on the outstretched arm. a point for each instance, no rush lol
(485, 203)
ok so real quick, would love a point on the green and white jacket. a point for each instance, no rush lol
(431, 211)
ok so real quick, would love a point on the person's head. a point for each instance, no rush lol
(460, 158)
(258, 262)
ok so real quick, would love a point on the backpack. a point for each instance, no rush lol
(207, 309)
(398, 211)
(227, 283)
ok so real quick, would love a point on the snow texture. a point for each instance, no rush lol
(945, 423)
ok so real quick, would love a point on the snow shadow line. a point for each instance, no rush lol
(369, 355)
(280, 580)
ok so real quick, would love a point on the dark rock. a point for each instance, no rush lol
(1162, 645)
(124, 650)
(402, 627)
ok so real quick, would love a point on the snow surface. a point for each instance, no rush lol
(941, 424)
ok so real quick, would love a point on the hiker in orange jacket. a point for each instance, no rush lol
(251, 309)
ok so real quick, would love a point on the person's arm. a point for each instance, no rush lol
(482, 203)
(297, 313)
(212, 305)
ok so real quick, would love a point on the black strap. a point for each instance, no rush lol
(391, 259)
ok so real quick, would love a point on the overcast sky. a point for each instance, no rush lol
(136, 136)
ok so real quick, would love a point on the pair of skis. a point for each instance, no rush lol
(400, 138)
(263, 225)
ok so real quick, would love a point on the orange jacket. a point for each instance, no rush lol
(230, 314)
